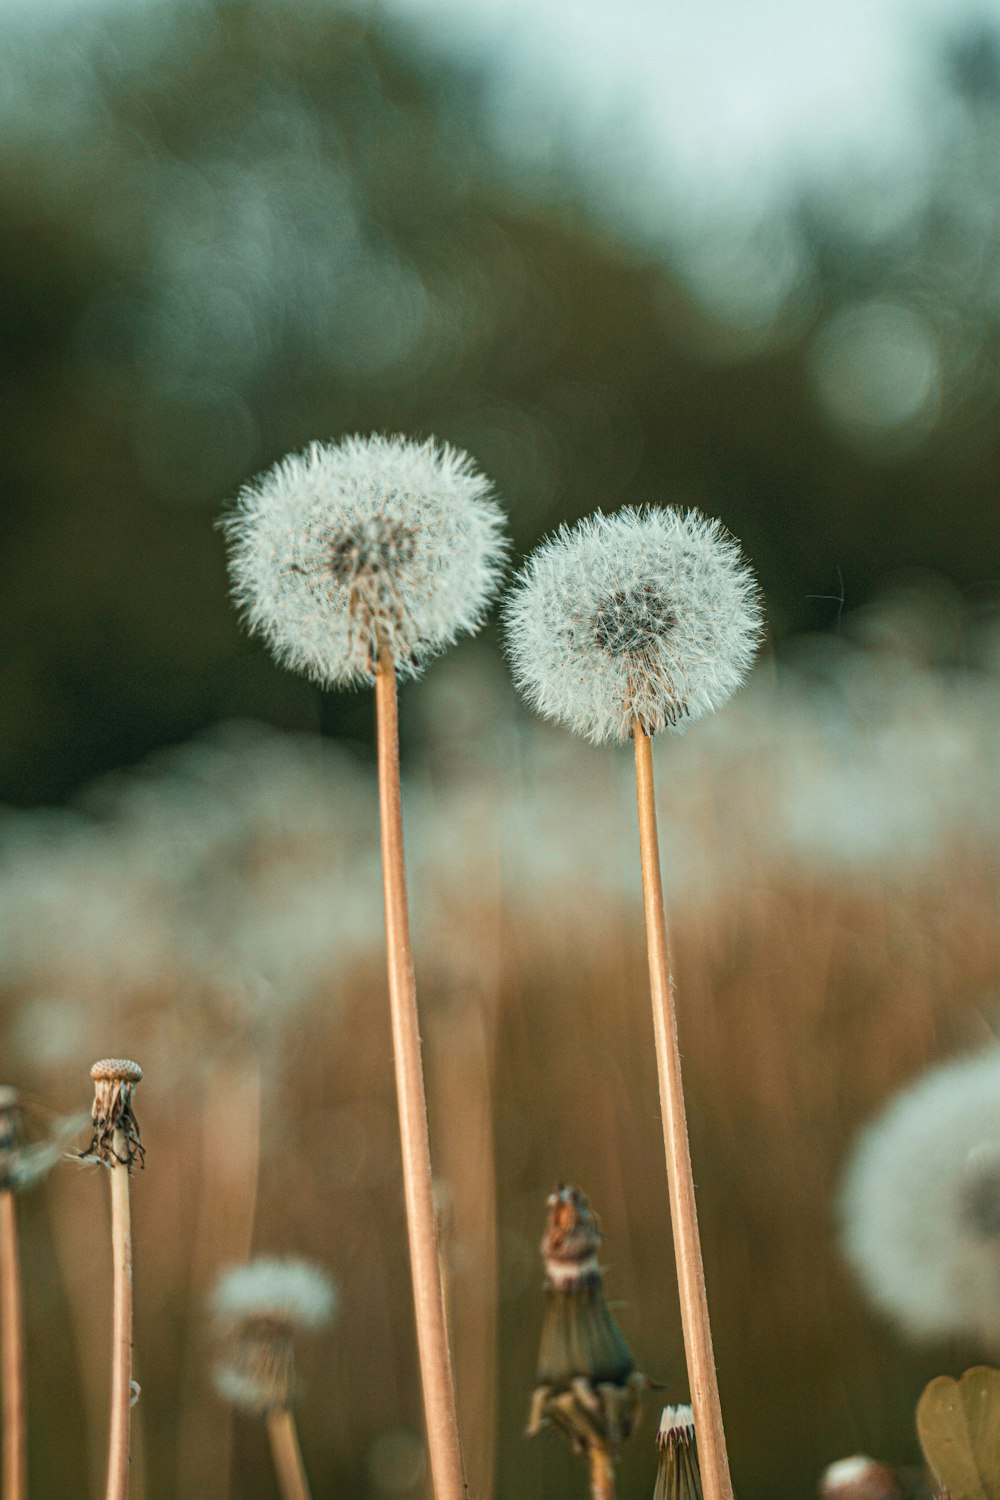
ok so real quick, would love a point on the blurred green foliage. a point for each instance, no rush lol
(231, 228)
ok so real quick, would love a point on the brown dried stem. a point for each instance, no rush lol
(15, 1478)
(121, 1337)
(287, 1454)
(443, 1443)
(680, 1181)
(602, 1474)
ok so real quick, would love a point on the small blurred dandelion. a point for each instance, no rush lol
(646, 614)
(257, 1310)
(371, 544)
(920, 1204)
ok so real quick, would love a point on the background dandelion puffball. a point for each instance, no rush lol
(646, 613)
(293, 1292)
(370, 540)
(920, 1204)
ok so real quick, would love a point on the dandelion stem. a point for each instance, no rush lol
(680, 1182)
(121, 1353)
(287, 1454)
(443, 1443)
(602, 1474)
(15, 1484)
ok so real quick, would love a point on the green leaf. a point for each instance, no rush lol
(958, 1422)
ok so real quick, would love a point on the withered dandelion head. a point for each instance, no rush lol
(678, 1476)
(587, 1384)
(257, 1310)
(117, 1140)
(374, 543)
(647, 614)
(921, 1203)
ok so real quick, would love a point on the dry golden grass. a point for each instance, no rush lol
(803, 1003)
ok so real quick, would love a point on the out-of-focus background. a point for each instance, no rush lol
(741, 257)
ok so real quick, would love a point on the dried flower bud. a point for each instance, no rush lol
(587, 1383)
(679, 1475)
(257, 1310)
(116, 1140)
(859, 1478)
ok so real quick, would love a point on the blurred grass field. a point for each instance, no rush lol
(812, 982)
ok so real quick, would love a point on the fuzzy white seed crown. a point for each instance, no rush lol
(647, 614)
(291, 1292)
(372, 543)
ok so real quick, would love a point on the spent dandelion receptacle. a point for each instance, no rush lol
(357, 562)
(117, 1144)
(620, 627)
(258, 1309)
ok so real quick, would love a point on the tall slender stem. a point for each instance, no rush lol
(602, 1475)
(15, 1475)
(121, 1334)
(711, 1437)
(287, 1455)
(443, 1443)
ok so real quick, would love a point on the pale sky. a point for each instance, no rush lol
(706, 95)
(710, 91)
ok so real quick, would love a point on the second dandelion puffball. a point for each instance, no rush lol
(371, 545)
(645, 614)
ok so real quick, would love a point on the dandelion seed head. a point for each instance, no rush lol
(921, 1203)
(294, 1293)
(370, 542)
(858, 1478)
(257, 1309)
(648, 614)
(676, 1424)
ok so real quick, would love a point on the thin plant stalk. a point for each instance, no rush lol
(461, 1045)
(287, 1454)
(15, 1478)
(680, 1181)
(121, 1352)
(443, 1442)
(228, 1183)
(602, 1474)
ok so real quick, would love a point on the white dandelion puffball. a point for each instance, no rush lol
(290, 1292)
(920, 1204)
(371, 543)
(646, 614)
